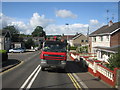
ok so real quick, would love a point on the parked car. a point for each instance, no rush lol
(36, 48)
(19, 50)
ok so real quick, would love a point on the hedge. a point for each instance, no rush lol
(3, 51)
(4, 55)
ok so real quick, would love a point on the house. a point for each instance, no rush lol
(105, 40)
(67, 37)
(17, 45)
(37, 40)
(5, 40)
(79, 40)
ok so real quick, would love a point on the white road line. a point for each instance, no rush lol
(23, 86)
(31, 82)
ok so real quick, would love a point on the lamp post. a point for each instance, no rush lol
(67, 29)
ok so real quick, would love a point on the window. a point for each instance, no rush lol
(107, 38)
(82, 40)
(86, 40)
(101, 38)
(94, 39)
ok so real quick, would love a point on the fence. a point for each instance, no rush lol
(98, 70)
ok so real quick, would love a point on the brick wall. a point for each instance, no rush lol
(115, 39)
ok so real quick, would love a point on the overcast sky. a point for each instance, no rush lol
(53, 16)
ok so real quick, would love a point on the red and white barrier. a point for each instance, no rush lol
(99, 70)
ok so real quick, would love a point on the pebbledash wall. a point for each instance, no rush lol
(99, 70)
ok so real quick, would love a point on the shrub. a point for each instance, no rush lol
(4, 55)
(3, 51)
(82, 49)
(114, 61)
(73, 48)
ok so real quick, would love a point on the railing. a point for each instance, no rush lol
(98, 70)
(107, 73)
(86, 55)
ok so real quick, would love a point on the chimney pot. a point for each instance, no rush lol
(110, 23)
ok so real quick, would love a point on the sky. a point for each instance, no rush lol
(53, 16)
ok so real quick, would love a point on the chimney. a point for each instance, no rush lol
(110, 23)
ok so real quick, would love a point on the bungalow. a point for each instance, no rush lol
(105, 40)
(5, 40)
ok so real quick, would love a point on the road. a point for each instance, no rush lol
(29, 75)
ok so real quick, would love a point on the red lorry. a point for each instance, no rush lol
(53, 55)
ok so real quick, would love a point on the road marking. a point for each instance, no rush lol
(33, 79)
(72, 81)
(75, 83)
(79, 80)
(28, 79)
(12, 68)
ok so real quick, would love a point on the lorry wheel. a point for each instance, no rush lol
(43, 69)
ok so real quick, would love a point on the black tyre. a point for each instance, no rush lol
(42, 68)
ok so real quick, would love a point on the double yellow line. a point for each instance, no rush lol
(75, 83)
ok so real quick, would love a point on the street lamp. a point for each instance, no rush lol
(67, 29)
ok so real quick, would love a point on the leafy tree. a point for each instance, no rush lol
(38, 32)
(14, 33)
(114, 60)
(29, 43)
(12, 29)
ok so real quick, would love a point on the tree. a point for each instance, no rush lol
(12, 30)
(38, 32)
(29, 43)
(114, 60)
(14, 33)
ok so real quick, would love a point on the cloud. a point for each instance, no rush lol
(5, 20)
(94, 22)
(94, 25)
(22, 27)
(38, 20)
(66, 29)
(48, 25)
(65, 14)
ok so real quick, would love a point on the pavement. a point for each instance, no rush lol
(9, 64)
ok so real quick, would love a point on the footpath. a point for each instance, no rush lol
(8, 64)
